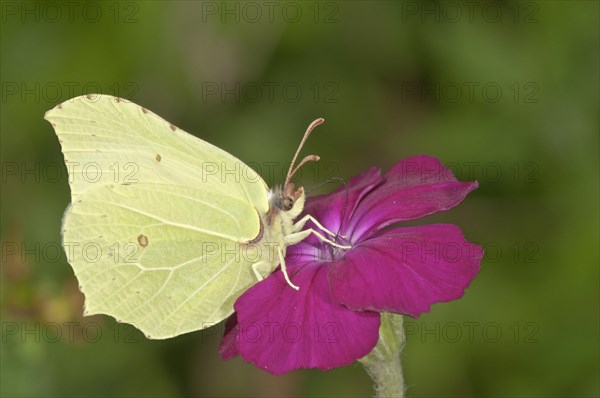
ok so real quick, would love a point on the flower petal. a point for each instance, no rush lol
(406, 270)
(227, 347)
(281, 329)
(413, 188)
(329, 208)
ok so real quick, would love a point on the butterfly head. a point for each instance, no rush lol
(287, 199)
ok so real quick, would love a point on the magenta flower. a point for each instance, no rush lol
(334, 318)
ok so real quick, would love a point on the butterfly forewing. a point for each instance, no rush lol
(157, 217)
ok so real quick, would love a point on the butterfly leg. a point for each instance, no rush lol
(284, 270)
(261, 269)
(300, 224)
(264, 268)
(296, 237)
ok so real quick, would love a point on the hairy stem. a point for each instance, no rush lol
(383, 363)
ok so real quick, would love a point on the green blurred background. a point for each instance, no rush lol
(503, 92)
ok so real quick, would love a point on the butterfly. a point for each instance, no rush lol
(164, 230)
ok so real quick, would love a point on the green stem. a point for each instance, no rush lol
(383, 363)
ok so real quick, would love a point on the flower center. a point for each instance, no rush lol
(330, 253)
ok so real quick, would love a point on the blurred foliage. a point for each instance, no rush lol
(357, 64)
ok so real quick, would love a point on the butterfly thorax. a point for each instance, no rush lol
(285, 205)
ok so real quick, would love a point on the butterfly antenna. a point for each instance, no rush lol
(292, 170)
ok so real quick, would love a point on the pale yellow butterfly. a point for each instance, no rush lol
(164, 230)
